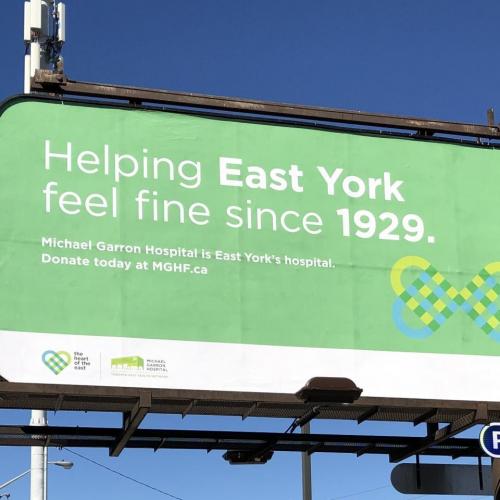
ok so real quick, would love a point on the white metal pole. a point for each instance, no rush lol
(45, 472)
(38, 459)
(27, 42)
(35, 57)
(45, 34)
(37, 31)
(27, 74)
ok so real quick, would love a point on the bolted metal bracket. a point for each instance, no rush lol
(49, 77)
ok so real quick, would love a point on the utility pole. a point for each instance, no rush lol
(38, 460)
(44, 36)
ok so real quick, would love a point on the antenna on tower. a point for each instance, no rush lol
(44, 37)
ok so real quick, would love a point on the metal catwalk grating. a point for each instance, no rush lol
(111, 399)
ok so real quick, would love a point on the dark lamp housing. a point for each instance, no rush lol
(329, 390)
(247, 458)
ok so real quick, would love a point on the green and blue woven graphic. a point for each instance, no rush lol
(433, 299)
(56, 362)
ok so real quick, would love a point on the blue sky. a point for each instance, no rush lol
(433, 59)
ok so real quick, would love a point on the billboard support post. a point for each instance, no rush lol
(38, 460)
(495, 470)
(306, 467)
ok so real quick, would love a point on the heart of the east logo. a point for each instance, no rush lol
(56, 362)
(433, 299)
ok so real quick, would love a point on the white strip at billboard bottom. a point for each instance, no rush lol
(128, 362)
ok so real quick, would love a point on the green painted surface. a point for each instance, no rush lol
(453, 189)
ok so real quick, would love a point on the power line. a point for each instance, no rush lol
(361, 492)
(123, 475)
(351, 495)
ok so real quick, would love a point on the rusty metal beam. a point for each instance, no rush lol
(250, 411)
(189, 407)
(365, 449)
(314, 448)
(59, 403)
(62, 397)
(45, 82)
(131, 423)
(425, 416)
(367, 414)
(49, 391)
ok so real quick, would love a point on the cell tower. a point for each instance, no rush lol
(44, 36)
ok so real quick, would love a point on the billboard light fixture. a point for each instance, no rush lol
(329, 390)
(235, 457)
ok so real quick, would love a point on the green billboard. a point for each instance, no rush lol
(202, 244)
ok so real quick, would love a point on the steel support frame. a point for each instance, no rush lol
(425, 417)
(250, 444)
(131, 422)
(437, 436)
(59, 85)
(59, 397)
